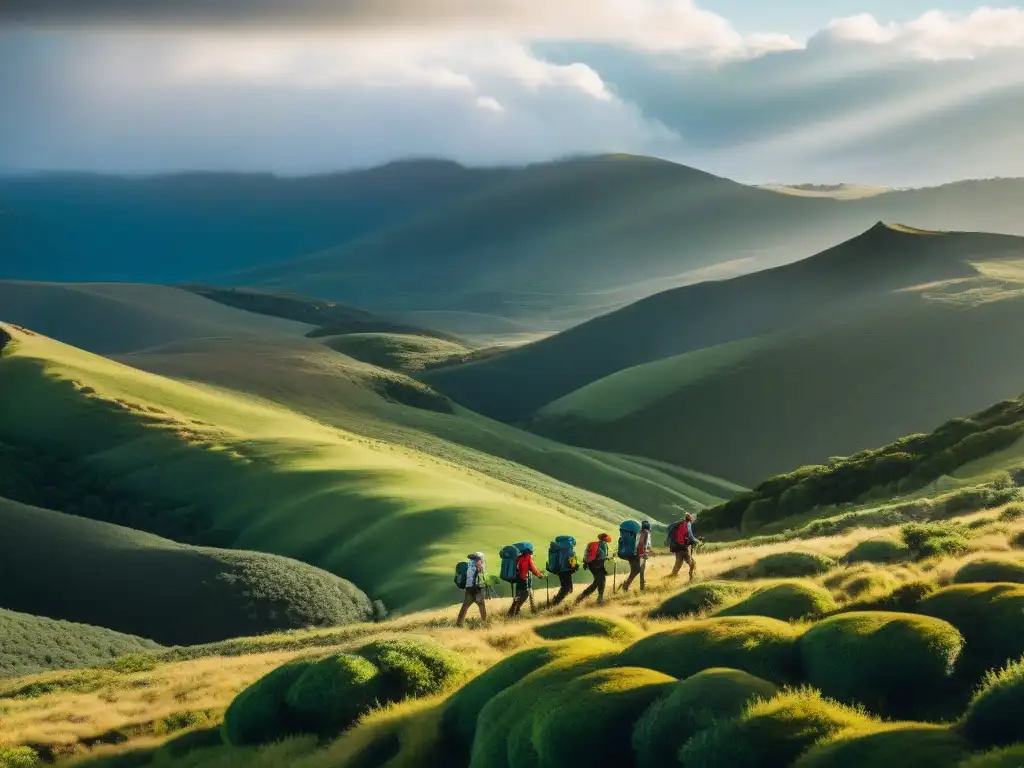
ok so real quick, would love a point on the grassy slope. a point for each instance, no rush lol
(72, 568)
(34, 644)
(396, 351)
(760, 406)
(121, 317)
(548, 244)
(339, 391)
(276, 481)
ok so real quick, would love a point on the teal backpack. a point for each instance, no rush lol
(509, 555)
(629, 538)
(562, 555)
(461, 574)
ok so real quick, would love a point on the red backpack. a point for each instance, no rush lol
(591, 554)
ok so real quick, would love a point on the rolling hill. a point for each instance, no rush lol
(199, 226)
(109, 318)
(287, 477)
(72, 568)
(558, 243)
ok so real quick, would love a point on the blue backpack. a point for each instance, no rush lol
(461, 574)
(509, 557)
(629, 539)
(562, 555)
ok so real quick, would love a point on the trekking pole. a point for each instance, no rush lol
(615, 573)
(547, 593)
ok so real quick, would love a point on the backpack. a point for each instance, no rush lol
(461, 574)
(677, 536)
(629, 538)
(562, 555)
(591, 552)
(509, 555)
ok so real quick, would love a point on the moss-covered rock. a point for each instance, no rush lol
(761, 646)
(332, 693)
(907, 745)
(991, 570)
(884, 549)
(990, 617)
(412, 666)
(698, 598)
(608, 701)
(611, 627)
(260, 714)
(690, 706)
(895, 664)
(995, 716)
(787, 601)
(771, 734)
(902, 599)
(791, 565)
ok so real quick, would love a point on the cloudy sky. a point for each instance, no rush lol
(900, 92)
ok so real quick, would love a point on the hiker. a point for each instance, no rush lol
(563, 563)
(629, 546)
(595, 559)
(474, 581)
(681, 541)
(526, 569)
(638, 562)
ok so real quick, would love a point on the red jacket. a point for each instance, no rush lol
(525, 566)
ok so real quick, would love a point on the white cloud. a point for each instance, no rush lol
(490, 104)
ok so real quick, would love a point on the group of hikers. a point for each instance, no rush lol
(518, 567)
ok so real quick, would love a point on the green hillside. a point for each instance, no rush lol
(121, 317)
(81, 570)
(558, 243)
(398, 352)
(846, 280)
(258, 475)
(35, 644)
(851, 378)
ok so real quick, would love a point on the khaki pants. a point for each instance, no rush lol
(473, 595)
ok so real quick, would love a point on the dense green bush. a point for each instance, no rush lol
(1017, 540)
(990, 617)
(770, 734)
(505, 724)
(787, 601)
(933, 539)
(611, 627)
(332, 693)
(608, 701)
(413, 666)
(901, 599)
(690, 706)
(995, 716)
(895, 664)
(458, 721)
(981, 497)
(34, 644)
(1011, 757)
(791, 565)
(699, 598)
(18, 757)
(991, 570)
(908, 745)
(881, 550)
(863, 582)
(260, 714)
(761, 646)
(1012, 513)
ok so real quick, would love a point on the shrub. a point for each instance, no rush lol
(458, 722)
(787, 601)
(504, 725)
(689, 707)
(260, 714)
(982, 497)
(18, 757)
(700, 597)
(991, 570)
(770, 734)
(1012, 513)
(761, 646)
(1011, 757)
(902, 599)
(413, 666)
(990, 617)
(863, 582)
(608, 701)
(993, 718)
(894, 663)
(590, 626)
(1017, 540)
(908, 745)
(880, 550)
(790, 565)
(933, 539)
(331, 694)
